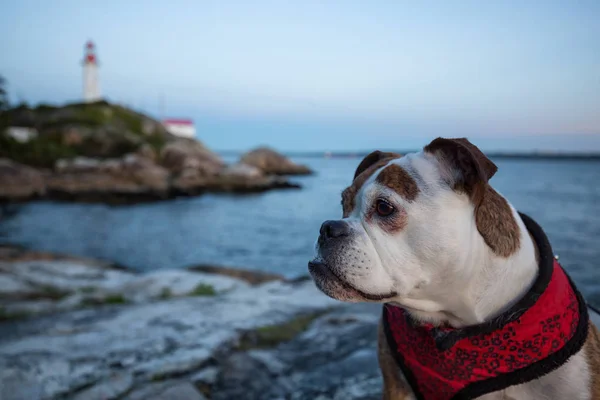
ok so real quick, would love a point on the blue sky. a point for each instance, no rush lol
(325, 75)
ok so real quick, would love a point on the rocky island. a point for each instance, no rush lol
(101, 152)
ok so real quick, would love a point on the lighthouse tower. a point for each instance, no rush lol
(91, 86)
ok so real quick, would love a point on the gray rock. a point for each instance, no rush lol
(19, 385)
(206, 376)
(42, 286)
(178, 362)
(131, 176)
(172, 337)
(19, 182)
(271, 162)
(334, 359)
(108, 389)
(183, 391)
(175, 390)
(244, 377)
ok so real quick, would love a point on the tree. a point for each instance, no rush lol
(3, 94)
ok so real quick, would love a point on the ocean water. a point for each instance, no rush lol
(276, 231)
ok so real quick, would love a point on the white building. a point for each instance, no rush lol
(91, 86)
(180, 127)
(21, 134)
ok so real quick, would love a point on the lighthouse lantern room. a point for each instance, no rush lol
(91, 86)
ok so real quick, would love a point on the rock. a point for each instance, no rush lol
(175, 337)
(178, 362)
(177, 390)
(191, 164)
(253, 277)
(12, 253)
(237, 184)
(271, 162)
(183, 391)
(111, 388)
(37, 286)
(241, 170)
(146, 151)
(206, 376)
(19, 385)
(19, 182)
(187, 154)
(175, 283)
(334, 359)
(131, 178)
(243, 377)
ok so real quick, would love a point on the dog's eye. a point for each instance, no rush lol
(384, 208)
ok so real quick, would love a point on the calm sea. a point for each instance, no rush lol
(276, 231)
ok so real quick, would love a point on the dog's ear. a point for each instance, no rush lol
(372, 158)
(471, 168)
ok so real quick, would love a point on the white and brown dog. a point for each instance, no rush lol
(475, 305)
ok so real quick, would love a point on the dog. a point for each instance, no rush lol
(475, 304)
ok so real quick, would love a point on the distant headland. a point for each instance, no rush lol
(529, 155)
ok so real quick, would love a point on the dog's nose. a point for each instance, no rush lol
(334, 229)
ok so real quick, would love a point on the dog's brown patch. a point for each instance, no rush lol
(592, 353)
(372, 158)
(397, 179)
(496, 223)
(367, 167)
(394, 385)
(466, 158)
(474, 168)
(493, 216)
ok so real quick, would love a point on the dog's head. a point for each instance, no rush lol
(411, 226)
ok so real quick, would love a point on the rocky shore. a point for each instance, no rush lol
(80, 329)
(73, 328)
(100, 152)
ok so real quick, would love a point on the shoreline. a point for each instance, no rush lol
(98, 332)
(93, 332)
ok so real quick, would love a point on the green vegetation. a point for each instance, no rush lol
(53, 293)
(95, 129)
(165, 293)
(87, 289)
(203, 289)
(41, 151)
(110, 299)
(271, 335)
(115, 299)
(11, 316)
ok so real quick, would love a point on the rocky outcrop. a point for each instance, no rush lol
(178, 334)
(188, 154)
(252, 277)
(142, 336)
(20, 182)
(40, 285)
(271, 162)
(102, 152)
(131, 178)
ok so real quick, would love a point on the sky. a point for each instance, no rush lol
(324, 75)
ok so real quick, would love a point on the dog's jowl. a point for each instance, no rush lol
(474, 303)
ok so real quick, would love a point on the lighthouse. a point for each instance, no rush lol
(91, 86)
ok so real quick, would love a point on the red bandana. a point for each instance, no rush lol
(534, 337)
